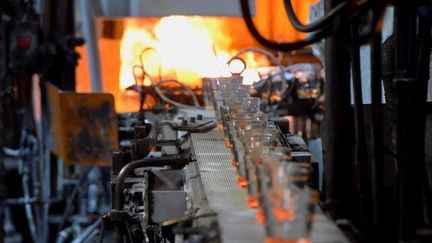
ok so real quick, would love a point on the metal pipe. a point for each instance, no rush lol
(3, 195)
(88, 232)
(361, 165)
(405, 83)
(32, 200)
(28, 208)
(71, 197)
(43, 161)
(337, 135)
(377, 129)
(65, 235)
(127, 169)
(91, 38)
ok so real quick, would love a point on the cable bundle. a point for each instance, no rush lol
(335, 19)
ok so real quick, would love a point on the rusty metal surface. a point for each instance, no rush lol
(83, 127)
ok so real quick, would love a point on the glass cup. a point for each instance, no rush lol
(234, 98)
(259, 171)
(235, 93)
(245, 104)
(255, 140)
(229, 83)
(235, 129)
(240, 105)
(290, 210)
(243, 121)
(219, 86)
(209, 86)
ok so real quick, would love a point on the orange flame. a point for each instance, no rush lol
(180, 47)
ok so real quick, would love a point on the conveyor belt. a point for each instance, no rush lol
(236, 220)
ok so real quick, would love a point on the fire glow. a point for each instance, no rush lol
(183, 48)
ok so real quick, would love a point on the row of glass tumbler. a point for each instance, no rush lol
(276, 186)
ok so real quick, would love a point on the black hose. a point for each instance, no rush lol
(337, 144)
(318, 24)
(360, 142)
(378, 16)
(377, 128)
(377, 140)
(318, 35)
(244, 4)
(127, 169)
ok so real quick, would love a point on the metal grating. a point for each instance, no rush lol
(236, 220)
(217, 173)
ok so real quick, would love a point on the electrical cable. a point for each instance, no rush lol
(160, 59)
(172, 102)
(271, 57)
(247, 17)
(159, 92)
(314, 37)
(199, 128)
(138, 85)
(195, 99)
(377, 19)
(144, 73)
(318, 24)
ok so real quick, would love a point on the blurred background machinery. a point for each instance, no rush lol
(108, 129)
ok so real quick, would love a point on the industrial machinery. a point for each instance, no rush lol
(233, 157)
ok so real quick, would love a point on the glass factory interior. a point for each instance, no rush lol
(233, 121)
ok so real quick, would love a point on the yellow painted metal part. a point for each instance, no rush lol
(83, 127)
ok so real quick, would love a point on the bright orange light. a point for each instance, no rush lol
(237, 66)
(250, 76)
(179, 47)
